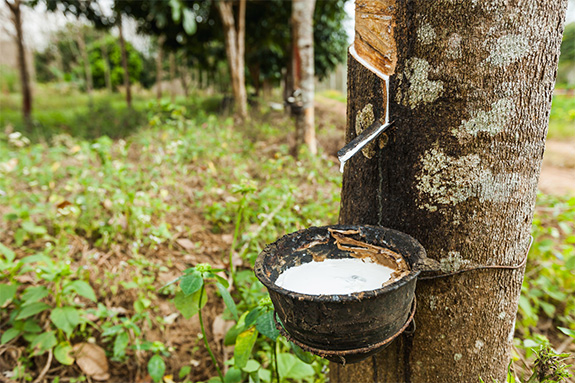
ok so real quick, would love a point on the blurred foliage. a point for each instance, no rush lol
(9, 80)
(61, 60)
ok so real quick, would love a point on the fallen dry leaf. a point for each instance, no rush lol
(92, 360)
(185, 243)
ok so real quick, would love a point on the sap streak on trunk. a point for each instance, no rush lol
(470, 95)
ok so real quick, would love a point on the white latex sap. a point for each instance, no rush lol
(334, 276)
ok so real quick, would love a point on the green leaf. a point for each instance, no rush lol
(83, 289)
(176, 10)
(43, 342)
(32, 309)
(228, 300)
(33, 229)
(233, 375)
(253, 316)
(564, 330)
(304, 356)
(189, 22)
(235, 330)
(266, 325)
(251, 366)
(290, 367)
(570, 263)
(32, 326)
(7, 293)
(7, 252)
(184, 371)
(244, 344)
(192, 282)
(120, 344)
(65, 319)
(9, 334)
(34, 294)
(188, 304)
(63, 353)
(156, 368)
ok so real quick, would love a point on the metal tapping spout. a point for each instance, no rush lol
(375, 129)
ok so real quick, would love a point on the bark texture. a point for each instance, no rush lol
(172, 60)
(159, 67)
(470, 96)
(125, 63)
(302, 24)
(235, 49)
(87, 69)
(16, 13)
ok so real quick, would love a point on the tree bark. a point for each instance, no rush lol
(125, 63)
(106, 59)
(159, 67)
(172, 60)
(302, 16)
(471, 88)
(86, 61)
(235, 48)
(184, 79)
(23, 69)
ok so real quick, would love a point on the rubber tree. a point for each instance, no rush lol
(303, 70)
(124, 60)
(470, 89)
(16, 16)
(235, 52)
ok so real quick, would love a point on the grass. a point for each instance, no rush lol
(562, 118)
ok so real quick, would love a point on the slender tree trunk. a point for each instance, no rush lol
(172, 60)
(24, 75)
(159, 67)
(302, 15)
(235, 48)
(125, 63)
(184, 79)
(106, 59)
(80, 38)
(470, 94)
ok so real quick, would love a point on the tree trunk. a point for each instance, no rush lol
(24, 76)
(86, 61)
(159, 68)
(302, 16)
(470, 94)
(172, 60)
(125, 63)
(184, 79)
(106, 59)
(235, 48)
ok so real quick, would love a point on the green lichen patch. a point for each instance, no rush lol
(425, 34)
(363, 120)
(421, 90)
(492, 121)
(508, 49)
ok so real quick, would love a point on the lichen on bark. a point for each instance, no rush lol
(421, 90)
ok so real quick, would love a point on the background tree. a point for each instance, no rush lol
(16, 16)
(235, 49)
(471, 88)
(302, 24)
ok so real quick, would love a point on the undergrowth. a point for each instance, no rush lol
(92, 232)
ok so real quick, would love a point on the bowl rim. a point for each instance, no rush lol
(352, 297)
